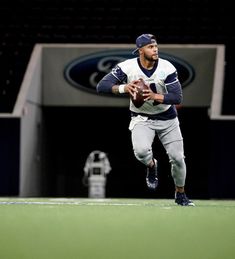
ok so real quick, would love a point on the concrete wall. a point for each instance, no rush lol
(46, 140)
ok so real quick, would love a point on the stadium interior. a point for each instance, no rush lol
(208, 144)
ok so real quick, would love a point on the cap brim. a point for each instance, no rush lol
(134, 52)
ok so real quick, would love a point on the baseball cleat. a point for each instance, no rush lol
(151, 177)
(182, 199)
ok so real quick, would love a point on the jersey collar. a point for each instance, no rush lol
(148, 72)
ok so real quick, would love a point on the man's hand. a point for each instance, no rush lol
(131, 88)
(150, 95)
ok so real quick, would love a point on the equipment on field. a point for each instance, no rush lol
(96, 168)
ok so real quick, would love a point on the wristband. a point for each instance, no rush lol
(121, 89)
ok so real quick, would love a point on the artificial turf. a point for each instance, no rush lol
(115, 228)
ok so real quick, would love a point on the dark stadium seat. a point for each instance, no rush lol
(24, 23)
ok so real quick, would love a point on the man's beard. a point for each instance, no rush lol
(150, 58)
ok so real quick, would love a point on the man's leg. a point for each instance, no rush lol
(142, 139)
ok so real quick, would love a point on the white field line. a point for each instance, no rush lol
(96, 202)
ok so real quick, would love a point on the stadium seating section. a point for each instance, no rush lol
(24, 23)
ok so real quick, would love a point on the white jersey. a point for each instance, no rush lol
(133, 72)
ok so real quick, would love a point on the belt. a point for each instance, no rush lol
(160, 116)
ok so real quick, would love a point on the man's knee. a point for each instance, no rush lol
(177, 159)
(176, 153)
(141, 152)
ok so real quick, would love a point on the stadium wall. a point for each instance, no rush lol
(54, 130)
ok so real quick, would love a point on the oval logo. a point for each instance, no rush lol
(85, 72)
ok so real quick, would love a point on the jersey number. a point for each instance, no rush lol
(154, 89)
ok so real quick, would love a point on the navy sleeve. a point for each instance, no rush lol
(115, 77)
(106, 83)
(174, 95)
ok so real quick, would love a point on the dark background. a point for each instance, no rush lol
(80, 133)
(209, 145)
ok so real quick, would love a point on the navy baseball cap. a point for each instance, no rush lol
(144, 40)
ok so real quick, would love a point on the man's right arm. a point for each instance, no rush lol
(108, 84)
(115, 82)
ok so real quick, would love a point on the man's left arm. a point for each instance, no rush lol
(174, 93)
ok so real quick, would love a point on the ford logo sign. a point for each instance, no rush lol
(86, 71)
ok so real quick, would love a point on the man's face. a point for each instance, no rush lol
(150, 52)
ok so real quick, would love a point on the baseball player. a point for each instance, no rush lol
(157, 115)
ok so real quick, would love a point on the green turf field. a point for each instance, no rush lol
(116, 228)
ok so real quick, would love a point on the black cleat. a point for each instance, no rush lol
(151, 177)
(182, 199)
